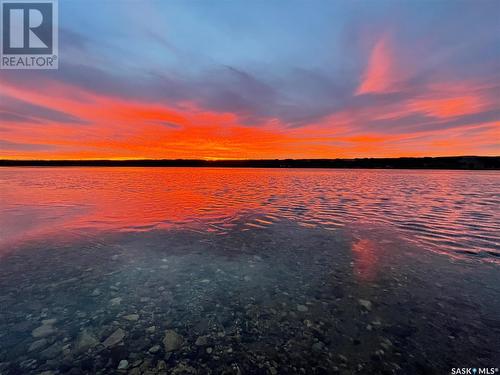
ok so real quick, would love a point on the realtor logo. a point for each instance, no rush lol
(29, 37)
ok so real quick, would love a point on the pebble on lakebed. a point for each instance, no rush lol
(365, 304)
(46, 329)
(201, 341)
(172, 341)
(115, 338)
(302, 308)
(154, 349)
(123, 365)
(86, 341)
(131, 317)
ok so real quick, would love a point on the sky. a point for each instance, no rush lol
(261, 79)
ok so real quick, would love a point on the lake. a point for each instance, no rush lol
(248, 271)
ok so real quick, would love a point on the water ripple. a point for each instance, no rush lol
(452, 211)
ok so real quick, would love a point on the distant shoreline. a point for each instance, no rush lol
(451, 162)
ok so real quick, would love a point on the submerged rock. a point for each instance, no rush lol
(366, 304)
(131, 317)
(123, 365)
(43, 331)
(318, 346)
(201, 341)
(302, 308)
(39, 344)
(52, 351)
(154, 349)
(115, 301)
(161, 366)
(184, 369)
(85, 341)
(172, 341)
(115, 338)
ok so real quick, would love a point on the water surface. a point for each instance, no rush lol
(248, 271)
(449, 211)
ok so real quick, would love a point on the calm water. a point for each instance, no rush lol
(248, 271)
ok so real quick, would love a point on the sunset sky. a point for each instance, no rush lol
(261, 79)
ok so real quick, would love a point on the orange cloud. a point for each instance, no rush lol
(117, 128)
(448, 107)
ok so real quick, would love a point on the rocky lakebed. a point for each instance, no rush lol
(285, 299)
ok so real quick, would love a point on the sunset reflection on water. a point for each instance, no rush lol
(365, 259)
(453, 211)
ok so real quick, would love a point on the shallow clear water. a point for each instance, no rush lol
(248, 271)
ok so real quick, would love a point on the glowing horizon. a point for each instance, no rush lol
(226, 81)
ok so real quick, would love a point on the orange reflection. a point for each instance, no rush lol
(116, 199)
(49, 201)
(365, 259)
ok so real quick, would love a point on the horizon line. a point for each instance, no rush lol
(430, 162)
(250, 159)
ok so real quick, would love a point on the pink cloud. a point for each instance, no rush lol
(379, 73)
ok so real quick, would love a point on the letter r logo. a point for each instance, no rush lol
(27, 28)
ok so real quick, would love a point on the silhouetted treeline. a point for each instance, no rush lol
(454, 162)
